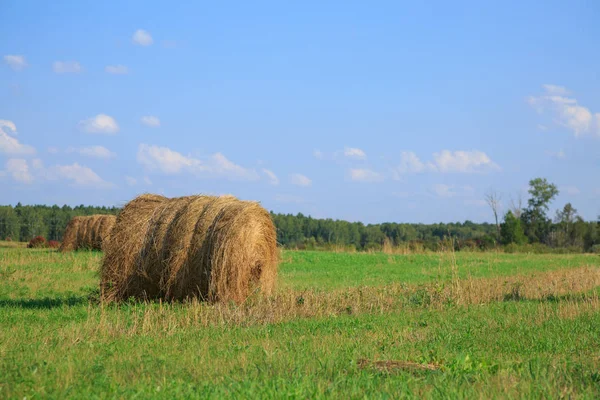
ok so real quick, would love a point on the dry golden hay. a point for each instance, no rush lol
(101, 230)
(206, 247)
(87, 232)
(69, 242)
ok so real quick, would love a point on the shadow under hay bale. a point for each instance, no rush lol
(87, 232)
(206, 247)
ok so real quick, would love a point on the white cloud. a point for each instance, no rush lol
(463, 161)
(365, 175)
(164, 159)
(66, 67)
(8, 125)
(566, 111)
(116, 69)
(445, 161)
(16, 62)
(555, 90)
(130, 181)
(167, 161)
(18, 168)
(318, 154)
(219, 164)
(273, 180)
(53, 150)
(93, 151)
(10, 144)
(411, 164)
(570, 190)
(79, 175)
(142, 38)
(356, 153)
(147, 181)
(101, 123)
(300, 180)
(443, 190)
(151, 121)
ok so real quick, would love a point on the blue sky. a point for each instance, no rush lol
(362, 111)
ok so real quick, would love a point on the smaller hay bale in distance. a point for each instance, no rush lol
(87, 232)
(101, 229)
(206, 247)
(69, 242)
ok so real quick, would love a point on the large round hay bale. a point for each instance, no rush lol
(69, 241)
(206, 247)
(119, 278)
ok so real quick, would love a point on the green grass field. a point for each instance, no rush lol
(464, 325)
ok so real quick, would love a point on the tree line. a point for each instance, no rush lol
(520, 226)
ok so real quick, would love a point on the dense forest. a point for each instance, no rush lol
(520, 226)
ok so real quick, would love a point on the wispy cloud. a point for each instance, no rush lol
(16, 62)
(170, 162)
(78, 175)
(151, 121)
(445, 161)
(365, 175)
(66, 67)
(116, 69)
(566, 111)
(300, 180)
(10, 144)
(444, 190)
(355, 153)
(19, 170)
(273, 180)
(463, 161)
(142, 38)
(93, 151)
(101, 123)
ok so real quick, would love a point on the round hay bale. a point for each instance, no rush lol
(119, 275)
(69, 242)
(240, 252)
(212, 248)
(88, 235)
(182, 277)
(101, 230)
(150, 263)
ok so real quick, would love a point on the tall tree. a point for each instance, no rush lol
(537, 224)
(492, 198)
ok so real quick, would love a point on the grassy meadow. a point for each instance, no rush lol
(341, 325)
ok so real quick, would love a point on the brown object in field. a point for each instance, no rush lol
(206, 247)
(87, 232)
(69, 242)
(100, 231)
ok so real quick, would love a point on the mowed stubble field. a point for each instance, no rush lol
(447, 325)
